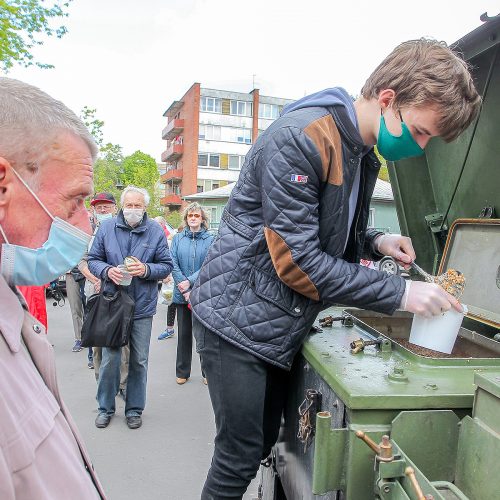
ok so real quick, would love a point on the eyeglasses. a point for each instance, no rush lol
(104, 208)
(196, 216)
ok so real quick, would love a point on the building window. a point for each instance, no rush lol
(203, 159)
(270, 111)
(235, 162)
(199, 188)
(210, 104)
(244, 135)
(241, 108)
(371, 218)
(214, 161)
(209, 132)
(215, 185)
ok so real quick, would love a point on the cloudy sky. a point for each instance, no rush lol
(131, 59)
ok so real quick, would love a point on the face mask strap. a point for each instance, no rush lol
(33, 193)
(4, 236)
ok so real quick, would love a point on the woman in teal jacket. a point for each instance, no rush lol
(188, 251)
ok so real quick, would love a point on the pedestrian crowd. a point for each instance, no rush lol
(289, 245)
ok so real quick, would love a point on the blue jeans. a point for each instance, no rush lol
(109, 372)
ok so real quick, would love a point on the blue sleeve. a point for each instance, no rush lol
(176, 272)
(194, 276)
(161, 266)
(97, 256)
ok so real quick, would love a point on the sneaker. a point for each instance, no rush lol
(78, 346)
(168, 333)
(90, 364)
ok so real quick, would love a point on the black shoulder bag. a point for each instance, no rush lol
(108, 320)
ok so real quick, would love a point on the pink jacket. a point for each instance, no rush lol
(42, 455)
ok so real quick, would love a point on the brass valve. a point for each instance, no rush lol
(410, 473)
(359, 345)
(383, 450)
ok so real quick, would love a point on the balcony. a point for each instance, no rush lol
(171, 199)
(172, 174)
(173, 129)
(174, 152)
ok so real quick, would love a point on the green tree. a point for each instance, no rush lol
(384, 173)
(174, 218)
(93, 124)
(141, 170)
(22, 25)
(107, 168)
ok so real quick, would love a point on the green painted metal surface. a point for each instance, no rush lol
(486, 403)
(478, 454)
(430, 440)
(328, 455)
(362, 380)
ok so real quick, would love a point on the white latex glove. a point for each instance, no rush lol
(397, 246)
(427, 299)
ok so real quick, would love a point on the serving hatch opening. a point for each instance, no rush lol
(469, 344)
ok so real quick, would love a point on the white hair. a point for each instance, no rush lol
(30, 120)
(134, 189)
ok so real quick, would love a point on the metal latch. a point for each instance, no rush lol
(307, 412)
(328, 320)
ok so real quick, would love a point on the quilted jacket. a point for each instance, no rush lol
(282, 253)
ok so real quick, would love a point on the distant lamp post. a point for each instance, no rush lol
(119, 185)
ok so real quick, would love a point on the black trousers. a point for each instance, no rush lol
(184, 342)
(248, 397)
(171, 315)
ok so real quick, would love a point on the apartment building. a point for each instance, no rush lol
(208, 134)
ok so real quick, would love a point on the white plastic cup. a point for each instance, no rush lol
(438, 333)
(127, 277)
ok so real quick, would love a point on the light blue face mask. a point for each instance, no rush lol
(63, 249)
(100, 217)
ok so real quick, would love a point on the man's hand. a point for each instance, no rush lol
(428, 299)
(168, 279)
(186, 296)
(137, 268)
(97, 286)
(115, 275)
(397, 246)
(184, 286)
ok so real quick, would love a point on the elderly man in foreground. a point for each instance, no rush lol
(46, 157)
(130, 234)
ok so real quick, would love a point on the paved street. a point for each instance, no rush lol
(168, 457)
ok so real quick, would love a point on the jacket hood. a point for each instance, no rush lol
(336, 96)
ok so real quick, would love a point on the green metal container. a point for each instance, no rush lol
(440, 413)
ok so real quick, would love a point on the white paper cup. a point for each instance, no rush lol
(438, 333)
(127, 277)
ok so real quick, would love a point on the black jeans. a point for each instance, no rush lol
(248, 396)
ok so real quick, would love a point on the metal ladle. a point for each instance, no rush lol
(443, 280)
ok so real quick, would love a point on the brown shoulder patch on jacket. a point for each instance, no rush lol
(325, 135)
(288, 272)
